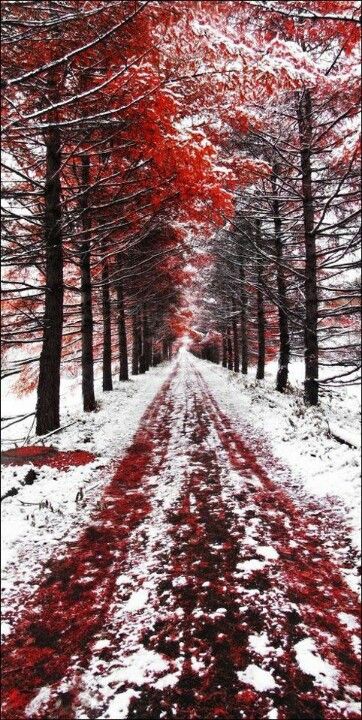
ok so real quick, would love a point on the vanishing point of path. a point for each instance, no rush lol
(199, 590)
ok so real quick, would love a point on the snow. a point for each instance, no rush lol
(32, 532)
(125, 657)
(299, 436)
(137, 600)
(269, 552)
(261, 644)
(118, 706)
(261, 680)
(250, 565)
(311, 663)
(40, 699)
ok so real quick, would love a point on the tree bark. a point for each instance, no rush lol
(260, 371)
(235, 337)
(135, 344)
(243, 314)
(89, 403)
(47, 409)
(304, 112)
(107, 332)
(121, 327)
(164, 349)
(147, 340)
(229, 349)
(224, 351)
(142, 342)
(284, 338)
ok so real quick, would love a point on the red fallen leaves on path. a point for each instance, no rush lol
(297, 596)
(40, 455)
(66, 611)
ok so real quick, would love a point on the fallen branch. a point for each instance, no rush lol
(339, 435)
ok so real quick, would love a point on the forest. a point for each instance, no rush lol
(180, 294)
(179, 170)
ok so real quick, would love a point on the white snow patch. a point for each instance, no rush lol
(250, 565)
(311, 663)
(137, 600)
(269, 552)
(260, 643)
(179, 581)
(348, 620)
(41, 698)
(261, 680)
(118, 706)
(168, 680)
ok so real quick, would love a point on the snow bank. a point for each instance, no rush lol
(42, 517)
(297, 435)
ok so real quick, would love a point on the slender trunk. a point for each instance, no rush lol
(135, 344)
(142, 343)
(147, 340)
(284, 339)
(243, 315)
(121, 327)
(304, 110)
(107, 336)
(235, 337)
(260, 371)
(229, 349)
(47, 409)
(164, 350)
(224, 351)
(89, 403)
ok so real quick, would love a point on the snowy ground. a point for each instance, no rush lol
(45, 515)
(300, 436)
(201, 572)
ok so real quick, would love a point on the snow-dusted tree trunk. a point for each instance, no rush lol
(89, 403)
(122, 333)
(284, 339)
(107, 336)
(235, 337)
(229, 349)
(243, 315)
(304, 111)
(135, 343)
(47, 409)
(260, 370)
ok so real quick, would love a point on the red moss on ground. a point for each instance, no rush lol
(40, 455)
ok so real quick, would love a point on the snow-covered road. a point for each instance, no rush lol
(199, 589)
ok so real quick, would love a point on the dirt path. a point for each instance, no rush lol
(199, 591)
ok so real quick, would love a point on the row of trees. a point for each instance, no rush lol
(284, 267)
(146, 125)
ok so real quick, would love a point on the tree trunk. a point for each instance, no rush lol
(260, 371)
(122, 333)
(284, 339)
(135, 344)
(229, 349)
(107, 337)
(142, 344)
(224, 351)
(164, 350)
(147, 340)
(235, 337)
(243, 315)
(89, 403)
(47, 409)
(304, 111)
